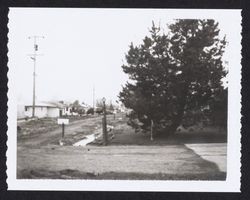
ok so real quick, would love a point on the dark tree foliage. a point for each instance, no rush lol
(99, 110)
(217, 112)
(173, 74)
(77, 108)
(90, 111)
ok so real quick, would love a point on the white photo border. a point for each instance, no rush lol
(232, 183)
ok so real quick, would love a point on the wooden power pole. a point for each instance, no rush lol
(33, 57)
(104, 124)
(93, 99)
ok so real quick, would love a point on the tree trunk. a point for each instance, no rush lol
(176, 123)
(151, 130)
(180, 112)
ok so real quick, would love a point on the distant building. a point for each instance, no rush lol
(70, 109)
(54, 109)
(67, 110)
(123, 109)
(85, 107)
(44, 110)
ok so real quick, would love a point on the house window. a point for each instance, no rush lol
(26, 108)
(67, 108)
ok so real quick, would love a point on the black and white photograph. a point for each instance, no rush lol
(124, 99)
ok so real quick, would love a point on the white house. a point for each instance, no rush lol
(44, 110)
(85, 107)
(123, 109)
(61, 105)
(54, 109)
(69, 109)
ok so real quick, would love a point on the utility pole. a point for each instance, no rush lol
(94, 99)
(33, 57)
(104, 124)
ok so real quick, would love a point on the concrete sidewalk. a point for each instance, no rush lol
(213, 152)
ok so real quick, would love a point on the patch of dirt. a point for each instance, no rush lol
(37, 126)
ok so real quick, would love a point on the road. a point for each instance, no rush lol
(79, 127)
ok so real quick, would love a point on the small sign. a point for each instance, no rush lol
(62, 121)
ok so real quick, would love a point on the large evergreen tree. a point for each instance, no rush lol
(174, 73)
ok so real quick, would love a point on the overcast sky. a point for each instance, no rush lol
(83, 48)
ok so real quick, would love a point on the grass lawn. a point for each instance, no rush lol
(125, 135)
(172, 162)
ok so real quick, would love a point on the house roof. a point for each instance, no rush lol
(43, 104)
(84, 105)
(56, 104)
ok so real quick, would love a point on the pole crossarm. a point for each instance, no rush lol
(36, 36)
(39, 54)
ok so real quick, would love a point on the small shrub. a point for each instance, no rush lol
(90, 111)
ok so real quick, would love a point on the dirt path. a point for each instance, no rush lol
(82, 127)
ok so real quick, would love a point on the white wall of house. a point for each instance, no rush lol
(41, 111)
(53, 112)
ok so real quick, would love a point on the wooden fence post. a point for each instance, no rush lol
(63, 130)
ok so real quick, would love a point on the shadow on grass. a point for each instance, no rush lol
(127, 136)
(75, 174)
